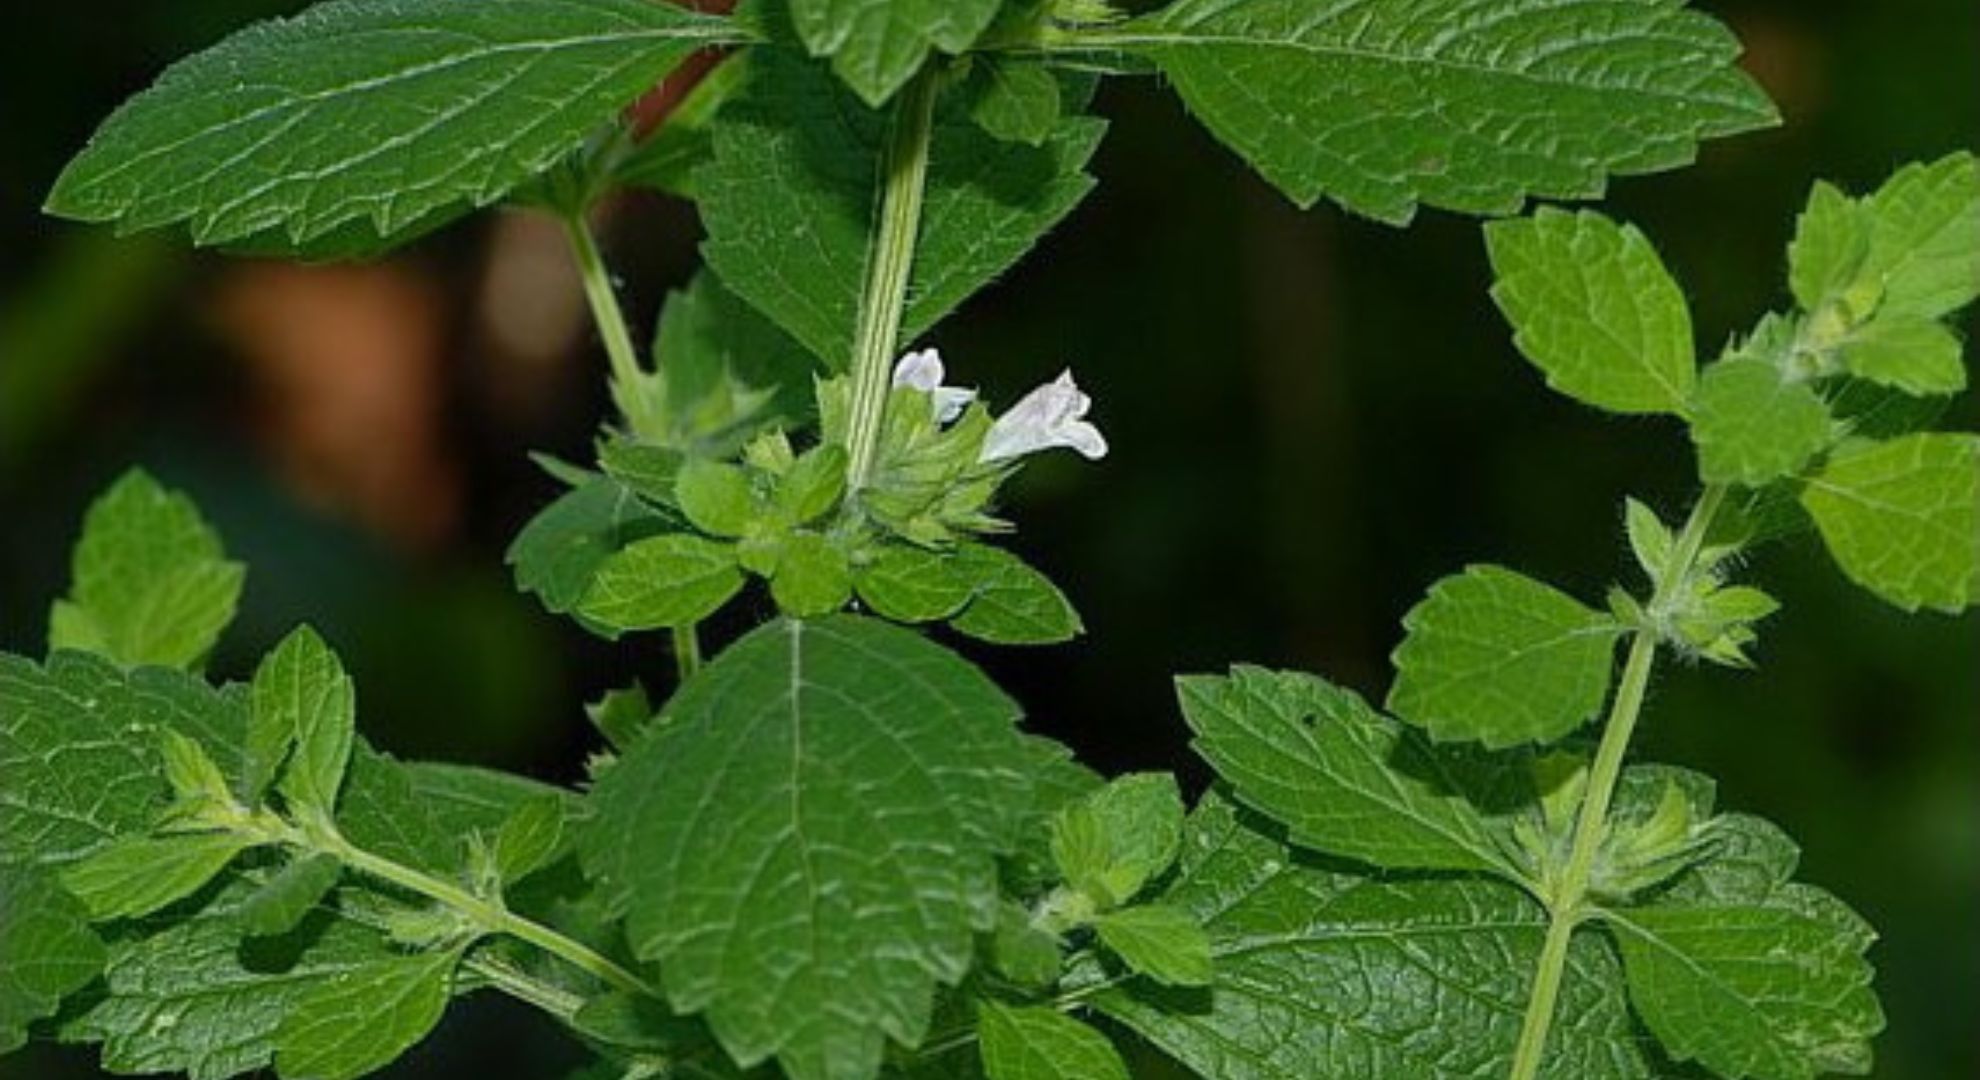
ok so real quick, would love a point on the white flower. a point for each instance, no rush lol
(1052, 415)
(922, 371)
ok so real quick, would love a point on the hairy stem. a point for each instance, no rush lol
(605, 310)
(555, 1000)
(486, 914)
(626, 376)
(883, 296)
(1566, 908)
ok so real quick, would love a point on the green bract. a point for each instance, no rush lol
(827, 850)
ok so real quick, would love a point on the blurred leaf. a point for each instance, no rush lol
(151, 584)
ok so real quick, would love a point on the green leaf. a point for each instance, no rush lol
(876, 48)
(151, 584)
(814, 485)
(1902, 518)
(302, 686)
(47, 949)
(621, 714)
(812, 577)
(1159, 941)
(1014, 100)
(1925, 237)
(1041, 1043)
(1831, 240)
(1381, 107)
(1022, 951)
(1752, 424)
(225, 995)
(1913, 354)
(1500, 658)
(1650, 540)
(77, 742)
(861, 782)
(635, 1022)
(1343, 778)
(386, 112)
(911, 584)
(138, 875)
(646, 470)
(1747, 973)
(360, 1020)
(190, 772)
(1320, 972)
(1057, 780)
(788, 203)
(718, 498)
(662, 581)
(281, 905)
(1593, 307)
(1011, 603)
(531, 837)
(727, 370)
(668, 159)
(1110, 843)
(559, 552)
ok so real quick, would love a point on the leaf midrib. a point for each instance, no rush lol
(1174, 40)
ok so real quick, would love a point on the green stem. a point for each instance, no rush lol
(1566, 908)
(605, 310)
(554, 1000)
(687, 650)
(486, 914)
(883, 296)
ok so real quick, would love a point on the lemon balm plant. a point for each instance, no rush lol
(828, 849)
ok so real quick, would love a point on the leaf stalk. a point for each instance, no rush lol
(487, 914)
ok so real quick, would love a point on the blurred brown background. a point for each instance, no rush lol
(1312, 417)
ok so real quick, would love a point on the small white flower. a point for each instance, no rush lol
(1052, 415)
(922, 370)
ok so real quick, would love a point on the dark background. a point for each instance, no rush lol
(1312, 416)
